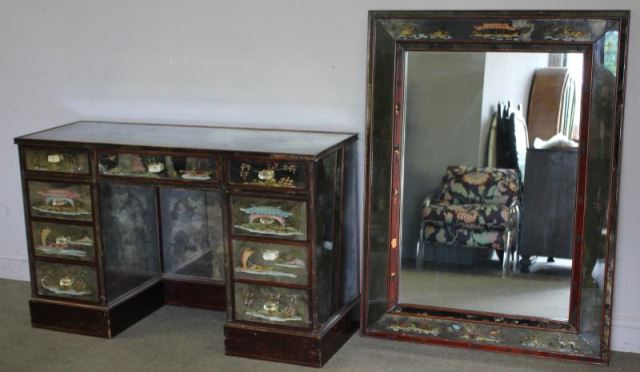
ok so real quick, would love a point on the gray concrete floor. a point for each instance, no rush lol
(182, 339)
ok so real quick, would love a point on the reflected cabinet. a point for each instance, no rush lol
(492, 178)
(123, 218)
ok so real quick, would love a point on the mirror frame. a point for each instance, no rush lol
(586, 336)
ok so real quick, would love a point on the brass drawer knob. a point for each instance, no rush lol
(55, 158)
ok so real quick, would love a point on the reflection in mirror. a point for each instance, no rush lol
(489, 181)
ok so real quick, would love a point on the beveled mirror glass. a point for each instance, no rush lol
(466, 199)
(492, 179)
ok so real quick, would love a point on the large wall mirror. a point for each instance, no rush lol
(492, 179)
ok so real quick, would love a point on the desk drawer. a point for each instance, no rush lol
(63, 241)
(272, 305)
(283, 219)
(47, 159)
(159, 166)
(267, 173)
(66, 281)
(60, 200)
(270, 262)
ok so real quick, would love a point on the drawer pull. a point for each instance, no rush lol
(66, 282)
(55, 158)
(270, 255)
(266, 174)
(67, 286)
(155, 167)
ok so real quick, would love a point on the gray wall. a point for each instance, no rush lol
(283, 63)
(443, 104)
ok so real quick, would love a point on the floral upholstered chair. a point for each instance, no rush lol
(476, 207)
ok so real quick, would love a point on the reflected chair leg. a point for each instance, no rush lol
(516, 239)
(420, 249)
(506, 254)
(419, 255)
(515, 253)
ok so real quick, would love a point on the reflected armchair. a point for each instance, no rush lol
(475, 207)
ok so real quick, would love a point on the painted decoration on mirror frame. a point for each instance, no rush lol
(507, 30)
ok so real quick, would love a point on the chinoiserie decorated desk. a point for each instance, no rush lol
(123, 218)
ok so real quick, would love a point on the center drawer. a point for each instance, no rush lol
(158, 165)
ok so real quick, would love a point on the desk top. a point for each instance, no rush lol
(192, 137)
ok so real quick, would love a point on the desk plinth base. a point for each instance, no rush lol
(195, 293)
(95, 320)
(99, 321)
(289, 346)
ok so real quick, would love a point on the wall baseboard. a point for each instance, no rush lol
(625, 334)
(14, 267)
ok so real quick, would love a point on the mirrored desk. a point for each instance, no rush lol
(123, 218)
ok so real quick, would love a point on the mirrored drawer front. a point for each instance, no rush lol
(270, 262)
(273, 305)
(56, 160)
(63, 241)
(285, 219)
(267, 173)
(60, 200)
(185, 168)
(66, 281)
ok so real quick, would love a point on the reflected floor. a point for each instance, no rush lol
(120, 283)
(543, 292)
(201, 267)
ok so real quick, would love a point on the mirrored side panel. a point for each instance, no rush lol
(350, 227)
(56, 160)
(327, 181)
(174, 167)
(66, 281)
(192, 234)
(129, 237)
(284, 219)
(63, 241)
(270, 262)
(377, 186)
(597, 282)
(273, 305)
(60, 200)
